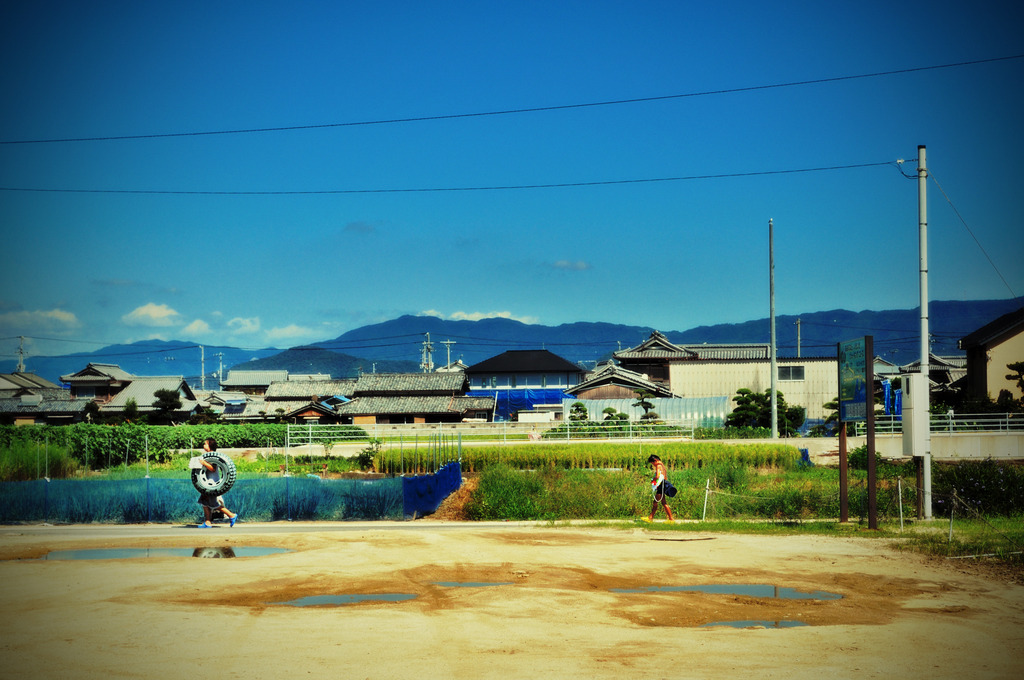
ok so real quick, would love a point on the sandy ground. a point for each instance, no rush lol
(900, 615)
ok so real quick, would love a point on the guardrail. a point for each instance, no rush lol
(951, 423)
(329, 435)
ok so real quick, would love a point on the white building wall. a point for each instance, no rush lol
(723, 378)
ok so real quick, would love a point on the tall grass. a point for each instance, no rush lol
(615, 456)
(24, 460)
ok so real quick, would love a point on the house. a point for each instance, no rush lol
(945, 373)
(112, 388)
(989, 349)
(611, 381)
(521, 380)
(251, 382)
(524, 369)
(310, 399)
(27, 399)
(385, 398)
(715, 370)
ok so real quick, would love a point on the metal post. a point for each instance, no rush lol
(707, 491)
(844, 485)
(922, 234)
(771, 288)
(899, 487)
(872, 472)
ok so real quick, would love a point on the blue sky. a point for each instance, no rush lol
(97, 259)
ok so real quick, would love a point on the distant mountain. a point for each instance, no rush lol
(896, 333)
(335, 364)
(146, 357)
(396, 345)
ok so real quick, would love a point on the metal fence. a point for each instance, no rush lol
(330, 435)
(953, 422)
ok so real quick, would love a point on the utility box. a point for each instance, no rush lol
(916, 418)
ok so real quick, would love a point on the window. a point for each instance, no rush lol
(512, 381)
(791, 372)
(543, 380)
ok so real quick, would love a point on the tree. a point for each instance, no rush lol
(131, 411)
(754, 409)
(1017, 374)
(578, 411)
(167, 402)
(644, 401)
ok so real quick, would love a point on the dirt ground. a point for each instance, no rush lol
(554, 614)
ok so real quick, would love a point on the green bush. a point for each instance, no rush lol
(985, 487)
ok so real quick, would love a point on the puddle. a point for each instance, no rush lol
(339, 600)
(136, 553)
(749, 590)
(756, 624)
(472, 584)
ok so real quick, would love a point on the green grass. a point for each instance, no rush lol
(24, 460)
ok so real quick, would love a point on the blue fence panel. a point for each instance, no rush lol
(424, 493)
(136, 501)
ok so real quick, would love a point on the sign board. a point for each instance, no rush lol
(853, 380)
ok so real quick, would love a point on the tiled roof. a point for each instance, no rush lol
(658, 347)
(311, 388)
(142, 389)
(53, 400)
(733, 351)
(415, 405)
(236, 378)
(992, 330)
(525, 361)
(97, 372)
(22, 379)
(410, 383)
(611, 374)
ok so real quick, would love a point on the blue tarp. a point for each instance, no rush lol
(507, 402)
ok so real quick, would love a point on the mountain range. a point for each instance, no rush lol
(397, 345)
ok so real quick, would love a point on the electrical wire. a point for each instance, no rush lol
(562, 185)
(505, 112)
(969, 231)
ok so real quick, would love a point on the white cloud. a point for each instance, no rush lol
(197, 327)
(290, 332)
(51, 320)
(477, 316)
(240, 326)
(151, 314)
(577, 266)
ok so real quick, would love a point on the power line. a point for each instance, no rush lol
(505, 112)
(562, 185)
(976, 241)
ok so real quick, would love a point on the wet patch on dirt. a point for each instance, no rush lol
(853, 599)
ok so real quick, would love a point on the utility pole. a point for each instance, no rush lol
(202, 367)
(448, 346)
(771, 290)
(922, 234)
(220, 367)
(21, 354)
(427, 358)
(798, 338)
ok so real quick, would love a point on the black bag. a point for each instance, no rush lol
(670, 490)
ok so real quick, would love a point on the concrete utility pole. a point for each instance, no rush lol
(427, 357)
(922, 234)
(21, 354)
(448, 346)
(771, 294)
(202, 367)
(798, 338)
